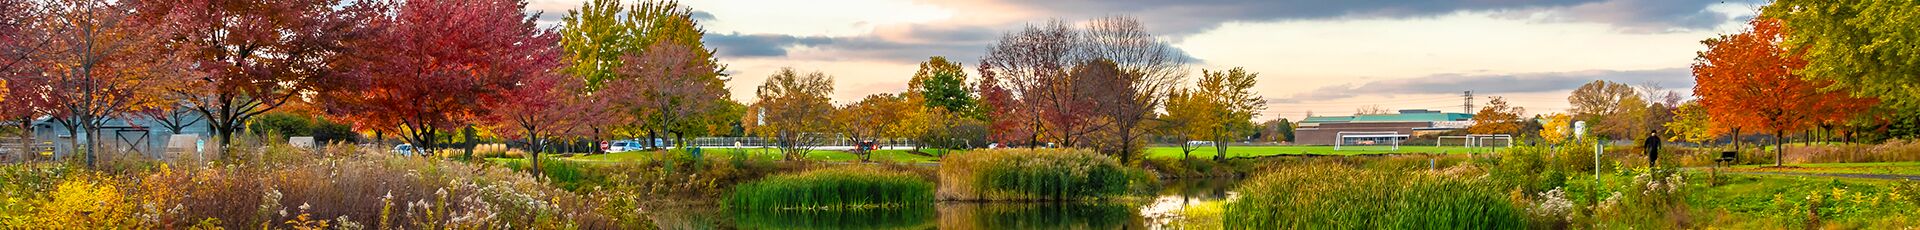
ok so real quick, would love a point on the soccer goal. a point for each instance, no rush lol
(1490, 140)
(1462, 141)
(1355, 138)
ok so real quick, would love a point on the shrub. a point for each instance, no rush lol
(840, 188)
(1036, 175)
(1334, 196)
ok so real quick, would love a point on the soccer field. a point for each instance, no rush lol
(1255, 151)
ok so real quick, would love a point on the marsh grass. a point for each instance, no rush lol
(272, 187)
(837, 188)
(1037, 175)
(1342, 197)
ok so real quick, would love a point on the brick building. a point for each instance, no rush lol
(1409, 123)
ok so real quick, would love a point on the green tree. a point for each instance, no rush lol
(943, 84)
(596, 36)
(941, 87)
(1866, 47)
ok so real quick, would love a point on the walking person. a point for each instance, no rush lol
(1653, 148)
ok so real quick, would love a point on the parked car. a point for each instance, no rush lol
(621, 146)
(403, 149)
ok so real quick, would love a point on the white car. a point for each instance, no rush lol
(622, 146)
(403, 149)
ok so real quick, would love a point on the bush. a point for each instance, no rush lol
(841, 188)
(1036, 175)
(1334, 196)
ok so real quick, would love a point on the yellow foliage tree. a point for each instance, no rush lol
(1558, 128)
(1691, 123)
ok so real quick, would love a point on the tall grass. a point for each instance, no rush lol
(271, 187)
(840, 188)
(1341, 197)
(1890, 151)
(1036, 175)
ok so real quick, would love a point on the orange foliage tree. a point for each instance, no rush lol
(1746, 81)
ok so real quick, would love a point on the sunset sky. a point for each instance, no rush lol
(1327, 57)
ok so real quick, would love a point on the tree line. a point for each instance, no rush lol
(419, 69)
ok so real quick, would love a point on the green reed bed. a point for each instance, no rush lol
(1340, 197)
(1036, 175)
(841, 188)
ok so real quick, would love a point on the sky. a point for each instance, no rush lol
(1313, 56)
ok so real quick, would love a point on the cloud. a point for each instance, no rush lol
(1654, 16)
(897, 43)
(758, 45)
(1182, 17)
(1499, 83)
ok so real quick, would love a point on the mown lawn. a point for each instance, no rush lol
(1256, 151)
(1775, 201)
(1893, 168)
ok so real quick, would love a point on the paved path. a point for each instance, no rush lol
(1841, 175)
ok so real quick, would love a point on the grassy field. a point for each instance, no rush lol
(1256, 151)
(819, 155)
(1775, 201)
(1893, 168)
(1155, 152)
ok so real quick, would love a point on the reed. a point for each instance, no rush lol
(1341, 197)
(1036, 175)
(839, 188)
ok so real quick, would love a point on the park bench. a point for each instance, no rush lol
(1727, 157)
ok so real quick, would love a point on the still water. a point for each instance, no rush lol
(1172, 196)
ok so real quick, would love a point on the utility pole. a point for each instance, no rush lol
(1467, 107)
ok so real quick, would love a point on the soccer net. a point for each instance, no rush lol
(1490, 140)
(1351, 139)
(1461, 141)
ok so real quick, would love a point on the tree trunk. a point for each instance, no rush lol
(533, 161)
(1779, 151)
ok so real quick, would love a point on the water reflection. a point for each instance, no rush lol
(1154, 213)
(911, 217)
(1039, 216)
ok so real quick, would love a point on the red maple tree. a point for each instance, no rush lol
(249, 57)
(1746, 81)
(442, 63)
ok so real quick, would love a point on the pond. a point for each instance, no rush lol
(1151, 214)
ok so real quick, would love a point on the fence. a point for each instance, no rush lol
(11, 149)
(756, 142)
